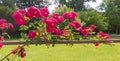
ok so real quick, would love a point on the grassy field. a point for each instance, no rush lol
(79, 52)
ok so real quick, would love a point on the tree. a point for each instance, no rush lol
(8, 3)
(21, 4)
(77, 5)
(112, 11)
(93, 17)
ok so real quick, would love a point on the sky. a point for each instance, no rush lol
(95, 4)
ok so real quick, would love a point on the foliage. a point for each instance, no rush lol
(94, 17)
(112, 10)
(6, 12)
(21, 4)
(63, 9)
(8, 3)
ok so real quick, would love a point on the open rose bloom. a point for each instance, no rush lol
(36, 24)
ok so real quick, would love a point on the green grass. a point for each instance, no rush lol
(79, 52)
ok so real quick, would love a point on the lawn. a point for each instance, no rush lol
(79, 52)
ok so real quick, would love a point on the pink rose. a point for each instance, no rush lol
(84, 32)
(44, 11)
(60, 19)
(2, 38)
(1, 45)
(76, 25)
(3, 26)
(93, 26)
(103, 35)
(50, 29)
(64, 32)
(65, 15)
(19, 17)
(2, 21)
(51, 22)
(55, 15)
(22, 54)
(57, 32)
(10, 25)
(71, 15)
(32, 34)
(33, 12)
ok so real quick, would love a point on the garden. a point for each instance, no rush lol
(67, 32)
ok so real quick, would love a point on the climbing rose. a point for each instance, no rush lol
(51, 22)
(86, 31)
(103, 35)
(3, 26)
(96, 44)
(50, 29)
(93, 26)
(10, 25)
(71, 15)
(22, 54)
(32, 34)
(60, 19)
(76, 25)
(2, 21)
(64, 32)
(65, 15)
(57, 32)
(33, 12)
(1, 45)
(44, 11)
(19, 17)
(55, 15)
(2, 38)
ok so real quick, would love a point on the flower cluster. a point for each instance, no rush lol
(3, 26)
(103, 35)
(20, 51)
(36, 23)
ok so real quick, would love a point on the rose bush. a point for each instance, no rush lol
(38, 25)
(4, 25)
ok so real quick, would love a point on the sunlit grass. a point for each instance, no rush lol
(79, 52)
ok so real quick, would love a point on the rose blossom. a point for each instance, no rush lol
(55, 15)
(33, 12)
(93, 26)
(10, 25)
(32, 34)
(51, 22)
(76, 25)
(103, 35)
(44, 11)
(2, 21)
(60, 19)
(64, 32)
(1, 45)
(22, 54)
(57, 32)
(19, 17)
(50, 29)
